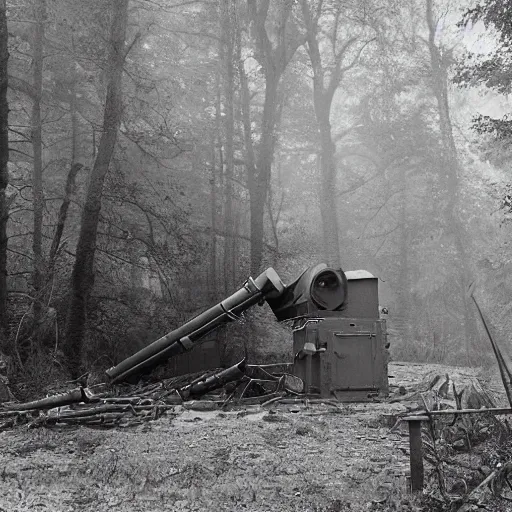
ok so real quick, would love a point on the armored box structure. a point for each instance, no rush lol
(344, 353)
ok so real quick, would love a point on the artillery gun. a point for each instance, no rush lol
(339, 340)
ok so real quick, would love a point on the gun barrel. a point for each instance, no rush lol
(267, 284)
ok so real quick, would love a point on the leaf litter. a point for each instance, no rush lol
(284, 457)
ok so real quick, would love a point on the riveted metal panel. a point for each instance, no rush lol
(353, 350)
(363, 298)
(351, 361)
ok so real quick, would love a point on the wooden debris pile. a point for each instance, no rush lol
(468, 451)
(470, 459)
(437, 391)
(124, 405)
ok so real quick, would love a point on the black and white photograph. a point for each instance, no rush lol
(255, 255)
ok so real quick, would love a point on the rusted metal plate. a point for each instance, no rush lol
(351, 360)
(354, 353)
(353, 363)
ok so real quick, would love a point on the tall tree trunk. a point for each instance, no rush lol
(228, 20)
(71, 178)
(259, 180)
(273, 55)
(450, 178)
(328, 205)
(245, 103)
(213, 212)
(37, 173)
(236, 241)
(217, 177)
(63, 213)
(401, 316)
(82, 279)
(4, 176)
(273, 224)
(323, 93)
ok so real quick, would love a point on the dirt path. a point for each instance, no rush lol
(288, 459)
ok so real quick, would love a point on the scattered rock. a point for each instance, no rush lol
(485, 470)
(459, 445)
(303, 430)
(200, 405)
(274, 418)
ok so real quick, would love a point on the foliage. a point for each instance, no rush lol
(492, 70)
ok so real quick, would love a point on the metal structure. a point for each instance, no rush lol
(344, 352)
(339, 340)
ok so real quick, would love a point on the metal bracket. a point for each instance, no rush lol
(186, 342)
(355, 334)
(251, 286)
(308, 321)
(230, 313)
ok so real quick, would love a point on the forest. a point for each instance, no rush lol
(154, 154)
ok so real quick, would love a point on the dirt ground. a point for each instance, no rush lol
(288, 458)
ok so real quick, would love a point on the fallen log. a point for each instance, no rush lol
(71, 397)
(82, 406)
(202, 386)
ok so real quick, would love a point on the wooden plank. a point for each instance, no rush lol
(309, 374)
(493, 410)
(448, 412)
(416, 454)
(326, 371)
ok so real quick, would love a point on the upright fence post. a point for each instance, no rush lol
(416, 452)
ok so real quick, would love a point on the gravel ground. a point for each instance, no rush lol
(291, 458)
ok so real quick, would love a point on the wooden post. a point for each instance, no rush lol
(416, 452)
(309, 374)
(416, 444)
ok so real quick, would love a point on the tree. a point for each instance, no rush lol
(492, 70)
(327, 77)
(74, 169)
(228, 17)
(39, 7)
(440, 61)
(4, 158)
(83, 271)
(273, 54)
